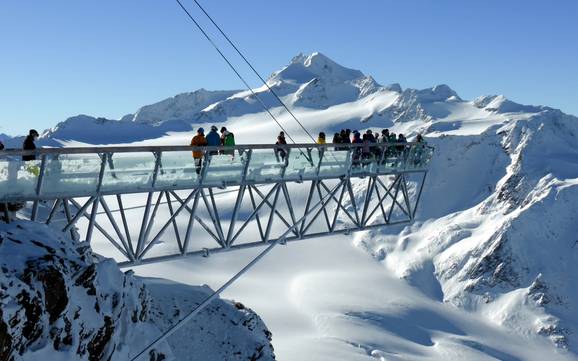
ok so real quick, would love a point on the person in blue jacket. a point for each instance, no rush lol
(213, 139)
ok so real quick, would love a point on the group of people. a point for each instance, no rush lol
(394, 143)
(212, 139)
(369, 151)
(345, 137)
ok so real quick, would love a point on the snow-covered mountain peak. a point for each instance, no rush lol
(501, 104)
(304, 68)
(185, 106)
(438, 93)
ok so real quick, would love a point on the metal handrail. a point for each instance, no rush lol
(177, 148)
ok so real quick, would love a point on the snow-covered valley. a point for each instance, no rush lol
(487, 270)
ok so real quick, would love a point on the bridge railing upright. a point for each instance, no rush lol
(88, 171)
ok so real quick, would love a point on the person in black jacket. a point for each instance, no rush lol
(1, 145)
(29, 144)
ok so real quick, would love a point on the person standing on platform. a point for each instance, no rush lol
(228, 140)
(29, 144)
(213, 140)
(281, 152)
(199, 140)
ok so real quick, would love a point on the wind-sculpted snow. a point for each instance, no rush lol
(497, 225)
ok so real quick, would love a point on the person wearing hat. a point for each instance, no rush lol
(198, 140)
(29, 144)
(213, 139)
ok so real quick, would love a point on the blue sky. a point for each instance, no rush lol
(106, 58)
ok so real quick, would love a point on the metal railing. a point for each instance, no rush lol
(95, 171)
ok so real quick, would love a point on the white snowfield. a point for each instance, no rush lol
(486, 272)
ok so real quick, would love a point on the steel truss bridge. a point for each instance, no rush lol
(240, 197)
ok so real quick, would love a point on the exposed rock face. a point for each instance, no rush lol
(225, 330)
(57, 299)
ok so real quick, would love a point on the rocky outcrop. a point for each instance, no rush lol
(55, 298)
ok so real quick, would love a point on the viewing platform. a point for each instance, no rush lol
(75, 182)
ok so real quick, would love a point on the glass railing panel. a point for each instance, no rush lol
(18, 178)
(334, 163)
(129, 171)
(265, 165)
(177, 171)
(421, 157)
(225, 169)
(67, 173)
(303, 163)
(394, 158)
(366, 159)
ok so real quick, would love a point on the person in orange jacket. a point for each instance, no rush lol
(199, 140)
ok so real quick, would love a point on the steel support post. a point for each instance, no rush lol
(324, 208)
(102, 230)
(112, 221)
(388, 192)
(257, 218)
(53, 210)
(164, 228)
(38, 189)
(406, 196)
(382, 199)
(309, 197)
(260, 194)
(217, 217)
(353, 202)
(213, 220)
(323, 205)
(419, 195)
(272, 213)
(191, 221)
(238, 202)
(394, 199)
(152, 218)
(340, 202)
(290, 207)
(368, 196)
(92, 219)
(125, 223)
(379, 205)
(145, 220)
(253, 214)
(175, 226)
(337, 208)
(68, 218)
(199, 220)
(81, 211)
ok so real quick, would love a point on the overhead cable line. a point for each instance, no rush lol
(234, 69)
(253, 69)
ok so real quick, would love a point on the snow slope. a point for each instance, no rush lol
(494, 243)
